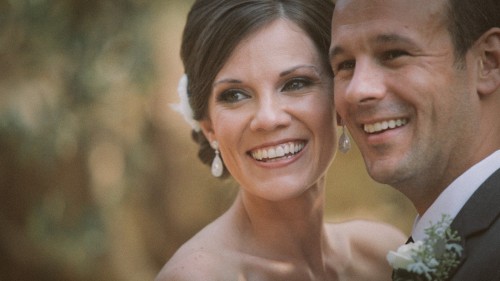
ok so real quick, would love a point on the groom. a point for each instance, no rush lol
(417, 82)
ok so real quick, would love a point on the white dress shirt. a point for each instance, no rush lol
(454, 197)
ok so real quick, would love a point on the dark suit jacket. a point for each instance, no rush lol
(478, 223)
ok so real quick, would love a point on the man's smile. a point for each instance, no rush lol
(378, 127)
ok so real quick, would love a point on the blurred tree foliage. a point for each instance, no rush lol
(77, 140)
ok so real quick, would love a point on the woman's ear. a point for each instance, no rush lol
(207, 129)
(489, 62)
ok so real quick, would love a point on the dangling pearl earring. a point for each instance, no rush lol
(217, 166)
(344, 141)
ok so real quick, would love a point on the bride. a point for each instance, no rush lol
(260, 90)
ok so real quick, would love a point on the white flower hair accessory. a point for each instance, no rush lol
(183, 106)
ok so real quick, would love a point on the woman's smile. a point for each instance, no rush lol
(277, 152)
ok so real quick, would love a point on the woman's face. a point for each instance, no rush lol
(271, 110)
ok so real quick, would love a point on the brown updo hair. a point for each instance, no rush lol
(215, 27)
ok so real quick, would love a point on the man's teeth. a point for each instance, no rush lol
(282, 150)
(384, 125)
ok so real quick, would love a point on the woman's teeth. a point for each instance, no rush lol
(384, 125)
(278, 151)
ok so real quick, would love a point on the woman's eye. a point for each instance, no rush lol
(232, 96)
(296, 84)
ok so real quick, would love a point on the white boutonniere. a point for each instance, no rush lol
(430, 259)
(183, 106)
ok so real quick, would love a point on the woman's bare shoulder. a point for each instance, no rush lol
(367, 230)
(372, 237)
(367, 244)
(200, 258)
(203, 257)
(191, 264)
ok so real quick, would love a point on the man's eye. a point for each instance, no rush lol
(346, 65)
(296, 84)
(393, 54)
(232, 96)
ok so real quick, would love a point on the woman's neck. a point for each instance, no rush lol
(288, 229)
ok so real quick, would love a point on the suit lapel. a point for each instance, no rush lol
(481, 209)
(479, 212)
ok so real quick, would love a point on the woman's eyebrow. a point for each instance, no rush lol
(291, 70)
(227, 80)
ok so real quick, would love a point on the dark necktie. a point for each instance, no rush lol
(410, 240)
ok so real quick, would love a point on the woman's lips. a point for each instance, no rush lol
(276, 152)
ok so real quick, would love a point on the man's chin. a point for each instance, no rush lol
(387, 173)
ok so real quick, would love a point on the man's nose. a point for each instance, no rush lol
(367, 83)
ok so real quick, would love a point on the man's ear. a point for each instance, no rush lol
(207, 129)
(339, 120)
(489, 62)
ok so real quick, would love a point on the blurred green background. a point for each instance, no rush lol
(99, 179)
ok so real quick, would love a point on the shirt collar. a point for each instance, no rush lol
(454, 197)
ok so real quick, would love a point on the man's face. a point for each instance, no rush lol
(406, 102)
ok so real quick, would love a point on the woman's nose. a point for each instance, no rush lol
(270, 114)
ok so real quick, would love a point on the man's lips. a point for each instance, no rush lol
(381, 126)
(275, 152)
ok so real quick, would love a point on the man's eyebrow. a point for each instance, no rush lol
(379, 39)
(335, 51)
(392, 38)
